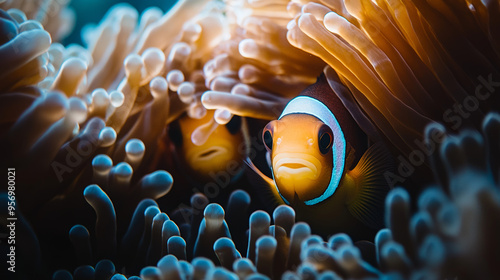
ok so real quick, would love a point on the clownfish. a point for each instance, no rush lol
(222, 149)
(312, 148)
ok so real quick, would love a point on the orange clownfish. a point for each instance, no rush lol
(221, 150)
(311, 148)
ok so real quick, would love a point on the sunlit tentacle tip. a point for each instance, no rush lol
(420, 225)
(159, 87)
(311, 240)
(317, 254)
(201, 267)
(192, 32)
(135, 148)
(187, 269)
(300, 230)
(244, 267)
(157, 184)
(284, 216)
(177, 246)
(491, 122)
(398, 196)
(104, 269)
(84, 272)
(30, 25)
(107, 137)
(259, 218)
(151, 273)
(307, 271)
(169, 229)
(248, 48)
(240, 197)
(214, 215)
(123, 170)
(201, 134)
(77, 110)
(186, 92)
(78, 232)
(154, 60)
(119, 277)
(116, 98)
(178, 55)
(102, 163)
(223, 243)
(383, 236)
(133, 68)
(241, 89)
(175, 78)
(248, 74)
(196, 111)
(338, 240)
(169, 267)
(222, 117)
(100, 97)
(92, 190)
(266, 245)
(151, 212)
(350, 255)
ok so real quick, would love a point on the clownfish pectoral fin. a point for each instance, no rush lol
(368, 196)
(264, 185)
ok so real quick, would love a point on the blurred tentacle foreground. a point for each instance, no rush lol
(93, 187)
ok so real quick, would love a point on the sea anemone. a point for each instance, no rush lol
(425, 61)
(84, 128)
(23, 51)
(255, 70)
(56, 17)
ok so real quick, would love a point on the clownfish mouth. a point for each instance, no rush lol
(210, 153)
(296, 166)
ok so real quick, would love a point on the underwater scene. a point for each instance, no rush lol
(250, 139)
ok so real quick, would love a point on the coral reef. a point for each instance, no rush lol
(89, 133)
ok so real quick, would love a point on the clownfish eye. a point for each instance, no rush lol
(325, 137)
(268, 139)
(175, 133)
(234, 125)
(267, 135)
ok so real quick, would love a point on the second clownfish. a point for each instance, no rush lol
(312, 147)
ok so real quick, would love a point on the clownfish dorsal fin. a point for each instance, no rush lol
(265, 186)
(366, 201)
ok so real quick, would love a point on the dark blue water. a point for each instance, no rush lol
(92, 11)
